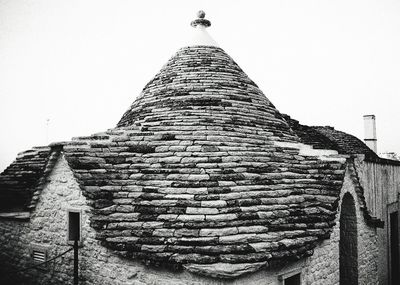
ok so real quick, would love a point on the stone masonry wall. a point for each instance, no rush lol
(381, 183)
(13, 251)
(323, 266)
(99, 265)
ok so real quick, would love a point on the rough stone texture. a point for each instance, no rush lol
(202, 86)
(323, 267)
(168, 207)
(326, 137)
(203, 173)
(47, 227)
(99, 265)
(381, 184)
(195, 157)
(22, 181)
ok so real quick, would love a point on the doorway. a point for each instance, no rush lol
(394, 248)
(348, 252)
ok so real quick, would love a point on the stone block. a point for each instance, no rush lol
(218, 231)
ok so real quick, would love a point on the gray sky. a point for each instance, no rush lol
(80, 64)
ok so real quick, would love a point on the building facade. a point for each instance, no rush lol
(203, 181)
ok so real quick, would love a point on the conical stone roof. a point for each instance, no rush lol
(203, 173)
(202, 87)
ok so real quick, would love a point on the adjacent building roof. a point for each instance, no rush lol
(22, 181)
(203, 172)
(328, 137)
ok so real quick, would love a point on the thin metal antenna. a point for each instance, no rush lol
(47, 131)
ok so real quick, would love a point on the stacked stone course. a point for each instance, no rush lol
(99, 265)
(201, 175)
(192, 177)
(23, 180)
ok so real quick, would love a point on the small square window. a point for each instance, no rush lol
(292, 280)
(292, 277)
(73, 225)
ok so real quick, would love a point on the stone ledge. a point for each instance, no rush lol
(224, 270)
(15, 216)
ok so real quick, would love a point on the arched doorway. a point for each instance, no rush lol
(348, 254)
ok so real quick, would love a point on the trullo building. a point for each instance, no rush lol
(203, 181)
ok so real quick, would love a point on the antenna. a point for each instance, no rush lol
(47, 130)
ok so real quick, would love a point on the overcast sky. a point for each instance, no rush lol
(81, 64)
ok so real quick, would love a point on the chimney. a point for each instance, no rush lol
(370, 132)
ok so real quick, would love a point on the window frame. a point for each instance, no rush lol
(68, 211)
(297, 271)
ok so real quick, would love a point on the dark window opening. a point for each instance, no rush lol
(74, 226)
(394, 248)
(292, 280)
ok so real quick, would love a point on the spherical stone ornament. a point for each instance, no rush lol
(201, 20)
(201, 14)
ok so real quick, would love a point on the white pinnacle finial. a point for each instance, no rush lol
(200, 35)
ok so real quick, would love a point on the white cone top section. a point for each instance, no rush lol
(200, 36)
